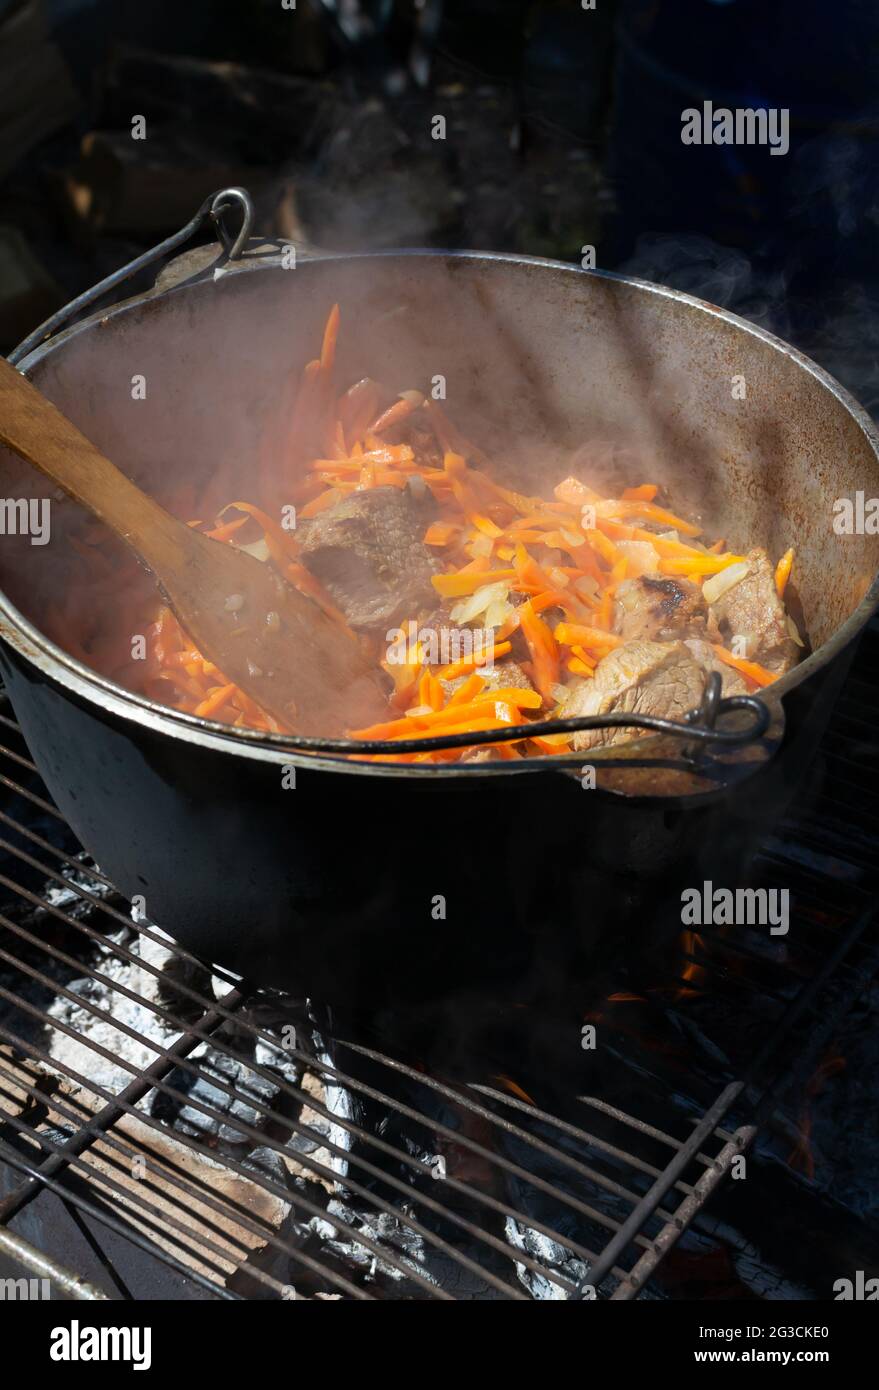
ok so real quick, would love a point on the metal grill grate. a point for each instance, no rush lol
(166, 1110)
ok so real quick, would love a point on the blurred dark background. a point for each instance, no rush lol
(563, 130)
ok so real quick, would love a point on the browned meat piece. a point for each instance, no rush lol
(752, 609)
(660, 609)
(368, 553)
(658, 678)
(732, 683)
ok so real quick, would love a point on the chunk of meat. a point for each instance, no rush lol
(369, 554)
(751, 609)
(732, 683)
(502, 675)
(658, 678)
(660, 609)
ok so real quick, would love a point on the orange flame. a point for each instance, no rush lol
(801, 1157)
(515, 1090)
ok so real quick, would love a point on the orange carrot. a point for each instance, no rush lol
(328, 347)
(543, 649)
(441, 533)
(472, 663)
(395, 413)
(471, 687)
(467, 581)
(697, 564)
(782, 572)
(512, 695)
(752, 669)
(576, 634)
(209, 707)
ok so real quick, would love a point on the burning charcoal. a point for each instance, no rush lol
(269, 1162)
(219, 1126)
(548, 1252)
(182, 970)
(72, 900)
(553, 1212)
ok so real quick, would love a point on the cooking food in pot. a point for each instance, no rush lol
(483, 606)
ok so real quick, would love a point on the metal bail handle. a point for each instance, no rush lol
(211, 210)
(698, 728)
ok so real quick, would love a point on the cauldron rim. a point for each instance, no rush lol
(88, 686)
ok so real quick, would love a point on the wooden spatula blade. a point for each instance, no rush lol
(294, 660)
(279, 646)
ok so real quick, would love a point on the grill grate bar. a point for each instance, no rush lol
(186, 1140)
(647, 1206)
(120, 1228)
(124, 953)
(200, 1192)
(592, 1139)
(296, 1093)
(19, 790)
(836, 935)
(159, 1222)
(515, 1256)
(143, 1082)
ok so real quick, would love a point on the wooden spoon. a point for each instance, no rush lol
(275, 643)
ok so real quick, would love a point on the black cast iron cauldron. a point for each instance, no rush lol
(366, 879)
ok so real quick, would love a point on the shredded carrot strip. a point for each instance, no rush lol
(512, 695)
(399, 411)
(576, 634)
(645, 493)
(701, 564)
(472, 663)
(543, 649)
(216, 701)
(752, 669)
(445, 721)
(328, 347)
(782, 572)
(471, 687)
(467, 582)
(441, 533)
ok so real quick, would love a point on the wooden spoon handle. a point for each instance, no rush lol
(32, 427)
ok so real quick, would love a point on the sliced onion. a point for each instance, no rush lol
(258, 549)
(571, 538)
(417, 486)
(481, 547)
(586, 585)
(794, 631)
(643, 558)
(717, 584)
(497, 612)
(470, 608)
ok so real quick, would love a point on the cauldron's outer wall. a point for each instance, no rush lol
(372, 886)
(358, 887)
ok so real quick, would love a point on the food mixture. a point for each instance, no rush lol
(485, 607)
